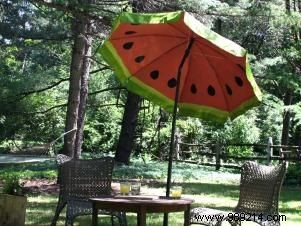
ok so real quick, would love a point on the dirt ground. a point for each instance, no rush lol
(40, 186)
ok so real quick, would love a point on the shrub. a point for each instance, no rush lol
(12, 185)
(293, 175)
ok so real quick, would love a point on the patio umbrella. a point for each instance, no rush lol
(173, 60)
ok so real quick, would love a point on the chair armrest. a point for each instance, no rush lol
(61, 159)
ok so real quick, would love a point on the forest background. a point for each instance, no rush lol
(53, 79)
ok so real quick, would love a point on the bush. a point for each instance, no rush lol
(242, 130)
(12, 185)
(293, 175)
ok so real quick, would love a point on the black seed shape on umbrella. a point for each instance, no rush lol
(135, 24)
(128, 45)
(239, 81)
(211, 90)
(172, 83)
(229, 90)
(154, 74)
(130, 32)
(193, 89)
(139, 59)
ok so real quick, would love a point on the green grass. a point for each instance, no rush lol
(40, 209)
(154, 170)
(46, 170)
(210, 188)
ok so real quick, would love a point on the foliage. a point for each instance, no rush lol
(293, 174)
(242, 130)
(103, 115)
(46, 169)
(191, 130)
(12, 185)
(270, 123)
(35, 54)
(31, 59)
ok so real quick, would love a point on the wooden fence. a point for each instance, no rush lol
(219, 157)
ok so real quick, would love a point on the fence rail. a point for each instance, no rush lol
(216, 152)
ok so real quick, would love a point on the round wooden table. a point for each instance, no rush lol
(141, 206)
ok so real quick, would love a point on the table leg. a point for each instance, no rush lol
(187, 216)
(165, 219)
(141, 217)
(94, 215)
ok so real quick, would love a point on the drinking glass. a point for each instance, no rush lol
(125, 188)
(176, 192)
(135, 188)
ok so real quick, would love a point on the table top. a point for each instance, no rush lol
(143, 199)
(141, 205)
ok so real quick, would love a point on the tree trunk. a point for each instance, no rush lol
(76, 69)
(287, 99)
(130, 117)
(84, 89)
(286, 118)
(127, 133)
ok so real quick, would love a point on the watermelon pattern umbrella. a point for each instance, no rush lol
(176, 62)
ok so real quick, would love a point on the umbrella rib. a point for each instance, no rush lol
(221, 54)
(226, 101)
(163, 53)
(174, 27)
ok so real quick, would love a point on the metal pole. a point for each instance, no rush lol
(173, 127)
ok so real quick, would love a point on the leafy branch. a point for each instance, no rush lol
(25, 94)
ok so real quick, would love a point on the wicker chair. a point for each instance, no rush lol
(258, 200)
(80, 180)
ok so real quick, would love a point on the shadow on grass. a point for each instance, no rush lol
(41, 214)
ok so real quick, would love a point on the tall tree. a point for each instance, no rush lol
(287, 100)
(79, 69)
(128, 128)
(288, 95)
(130, 117)
(78, 86)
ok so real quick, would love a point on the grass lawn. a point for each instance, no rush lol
(209, 188)
(221, 196)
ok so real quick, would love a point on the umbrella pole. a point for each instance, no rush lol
(173, 126)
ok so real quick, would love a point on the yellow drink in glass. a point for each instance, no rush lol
(176, 192)
(125, 188)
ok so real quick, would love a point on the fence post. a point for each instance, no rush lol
(270, 149)
(217, 156)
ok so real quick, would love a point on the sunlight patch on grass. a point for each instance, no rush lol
(43, 199)
(211, 201)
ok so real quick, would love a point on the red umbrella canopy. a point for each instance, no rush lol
(145, 50)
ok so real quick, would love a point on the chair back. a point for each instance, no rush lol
(260, 188)
(84, 179)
